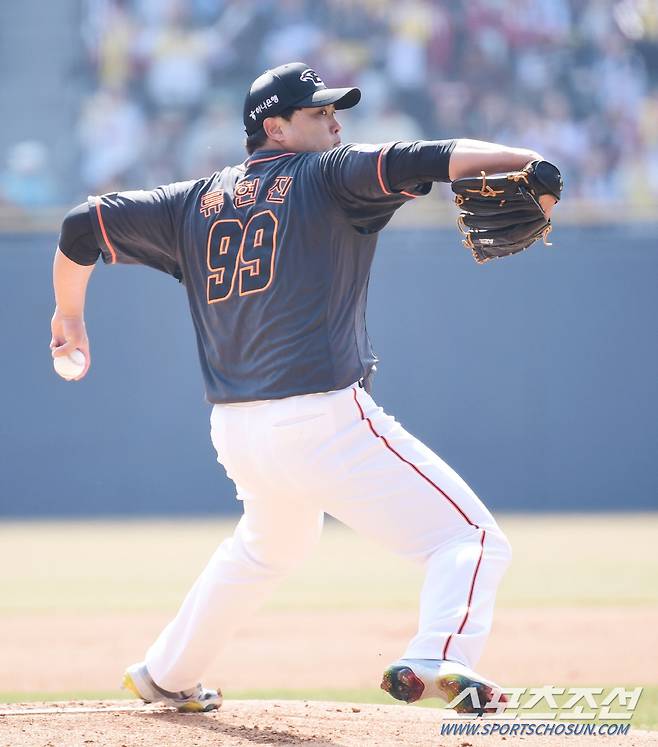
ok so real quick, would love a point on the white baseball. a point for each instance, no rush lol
(70, 366)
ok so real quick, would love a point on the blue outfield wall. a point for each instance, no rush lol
(535, 377)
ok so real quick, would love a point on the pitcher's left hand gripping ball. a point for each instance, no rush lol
(500, 214)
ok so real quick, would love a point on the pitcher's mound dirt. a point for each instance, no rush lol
(248, 722)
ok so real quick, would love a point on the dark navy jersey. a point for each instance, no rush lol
(275, 255)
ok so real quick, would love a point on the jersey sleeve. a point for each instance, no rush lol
(357, 179)
(76, 237)
(141, 227)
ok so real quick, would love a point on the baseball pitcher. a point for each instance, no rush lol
(275, 254)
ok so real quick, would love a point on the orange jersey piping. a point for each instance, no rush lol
(379, 170)
(113, 254)
(269, 158)
(385, 149)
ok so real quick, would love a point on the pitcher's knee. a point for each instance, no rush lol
(286, 559)
(277, 556)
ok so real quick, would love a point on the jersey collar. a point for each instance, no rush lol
(263, 156)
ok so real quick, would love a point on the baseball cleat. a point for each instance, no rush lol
(415, 679)
(138, 681)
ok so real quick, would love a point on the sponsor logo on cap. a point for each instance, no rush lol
(312, 77)
(263, 106)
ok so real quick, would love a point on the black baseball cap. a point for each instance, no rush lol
(293, 84)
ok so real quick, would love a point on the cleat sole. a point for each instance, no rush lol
(402, 684)
(450, 686)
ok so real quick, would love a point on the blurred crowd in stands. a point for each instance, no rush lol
(576, 80)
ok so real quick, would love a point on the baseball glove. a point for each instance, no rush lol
(500, 214)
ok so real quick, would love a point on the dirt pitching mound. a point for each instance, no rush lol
(244, 722)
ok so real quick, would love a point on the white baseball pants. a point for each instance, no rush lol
(294, 459)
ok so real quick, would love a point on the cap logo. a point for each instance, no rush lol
(263, 106)
(312, 77)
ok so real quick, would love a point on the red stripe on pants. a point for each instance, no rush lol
(448, 498)
(470, 596)
(413, 466)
